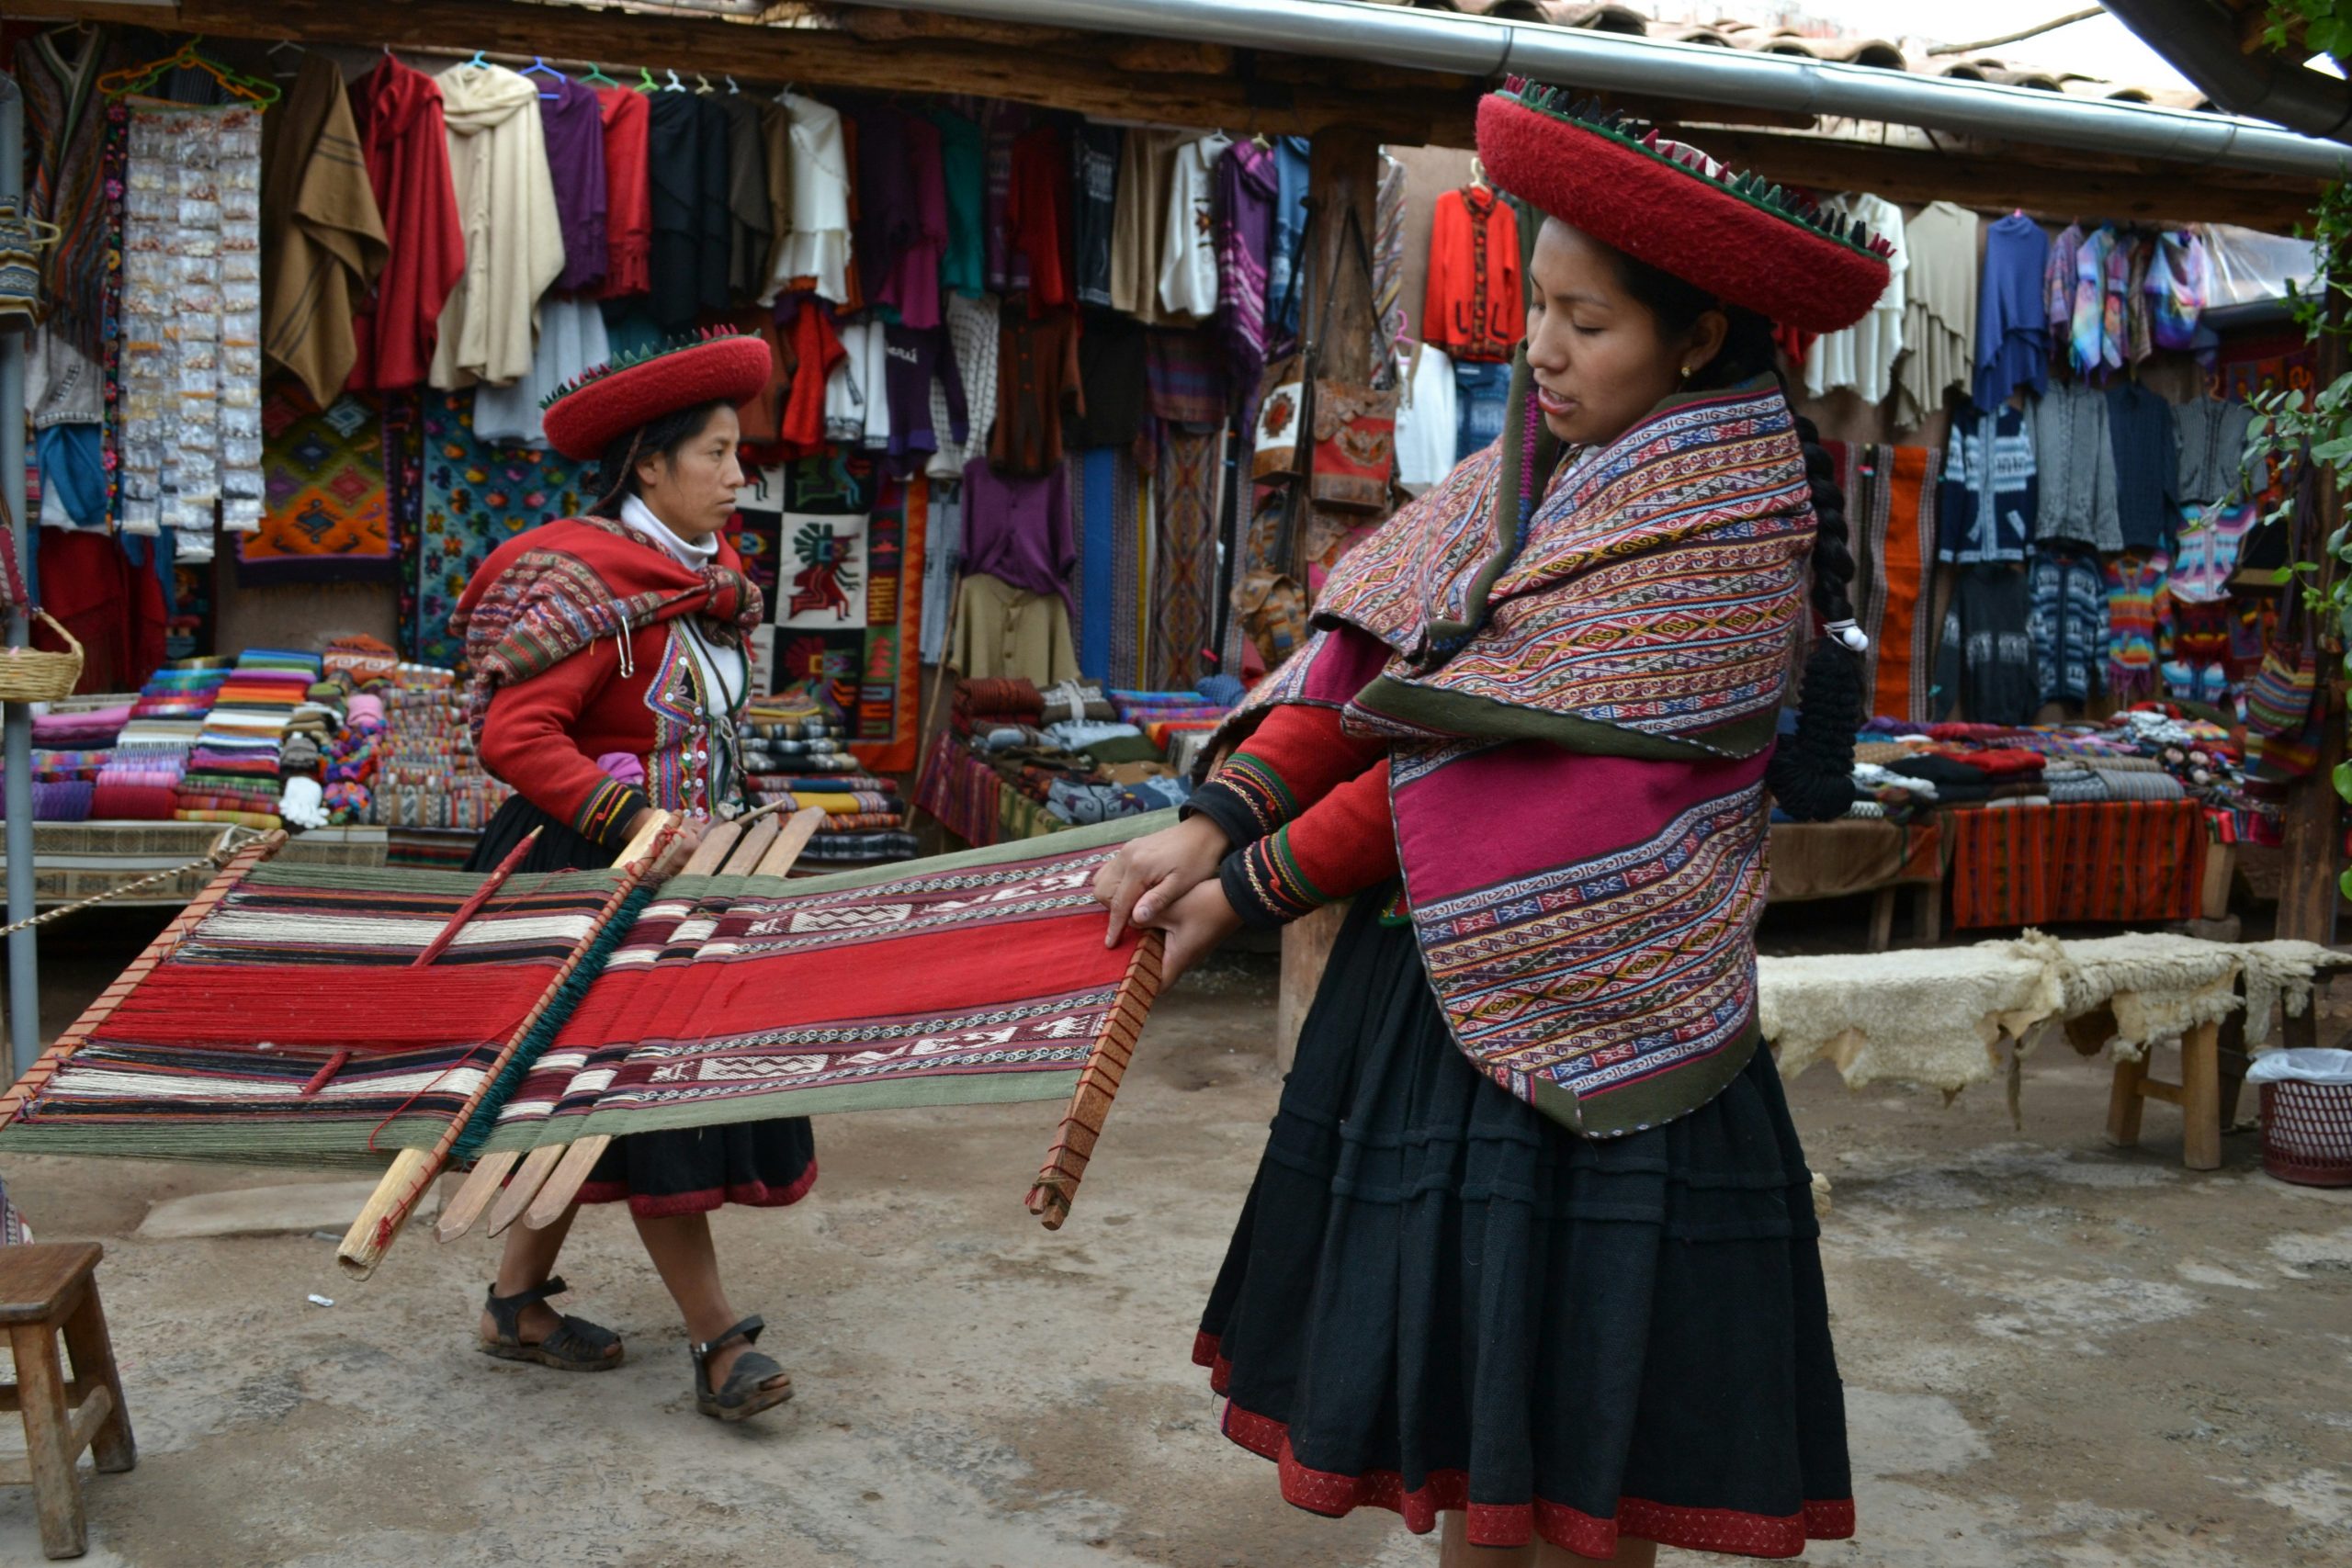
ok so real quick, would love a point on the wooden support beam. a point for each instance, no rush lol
(2311, 818)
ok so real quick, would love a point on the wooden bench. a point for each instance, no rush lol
(47, 1290)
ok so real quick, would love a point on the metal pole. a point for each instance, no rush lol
(24, 982)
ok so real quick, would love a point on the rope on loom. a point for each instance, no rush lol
(222, 852)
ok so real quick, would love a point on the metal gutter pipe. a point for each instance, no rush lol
(1485, 47)
(2199, 43)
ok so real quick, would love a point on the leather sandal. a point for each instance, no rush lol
(745, 1394)
(574, 1345)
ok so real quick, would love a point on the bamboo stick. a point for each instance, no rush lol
(488, 1180)
(397, 1194)
(564, 1185)
(1098, 1082)
(166, 942)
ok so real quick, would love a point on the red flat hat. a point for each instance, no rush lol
(1739, 236)
(585, 414)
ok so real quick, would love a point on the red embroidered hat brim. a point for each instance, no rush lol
(584, 418)
(1745, 240)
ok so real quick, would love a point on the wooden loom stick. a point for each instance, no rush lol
(489, 1189)
(166, 942)
(412, 1170)
(563, 1186)
(482, 895)
(1098, 1082)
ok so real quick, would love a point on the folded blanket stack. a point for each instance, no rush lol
(233, 771)
(141, 782)
(70, 750)
(795, 756)
(426, 773)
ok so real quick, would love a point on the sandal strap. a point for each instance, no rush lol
(752, 1369)
(576, 1339)
(506, 1312)
(747, 1331)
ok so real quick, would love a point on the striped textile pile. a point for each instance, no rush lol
(69, 749)
(141, 781)
(233, 771)
(795, 755)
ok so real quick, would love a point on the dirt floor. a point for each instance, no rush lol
(2056, 1354)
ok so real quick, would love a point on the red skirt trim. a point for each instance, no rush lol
(1515, 1523)
(753, 1195)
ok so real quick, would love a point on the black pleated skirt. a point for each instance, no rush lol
(1437, 1298)
(684, 1170)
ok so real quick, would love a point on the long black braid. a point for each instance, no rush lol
(1812, 774)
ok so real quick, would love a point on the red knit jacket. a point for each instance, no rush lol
(1477, 304)
(543, 736)
(1306, 807)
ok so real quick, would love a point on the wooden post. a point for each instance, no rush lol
(2312, 818)
(1343, 174)
(2200, 1098)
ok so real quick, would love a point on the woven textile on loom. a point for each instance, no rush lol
(968, 979)
(291, 1027)
(2121, 860)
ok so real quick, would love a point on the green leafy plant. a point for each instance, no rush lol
(2314, 26)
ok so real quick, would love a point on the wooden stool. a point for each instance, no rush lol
(2199, 1095)
(45, 1289)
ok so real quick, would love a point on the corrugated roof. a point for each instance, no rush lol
(1883, 54)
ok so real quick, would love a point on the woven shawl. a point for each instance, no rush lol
(544, 596)
(1581, 707)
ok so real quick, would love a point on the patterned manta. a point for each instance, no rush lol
(328, 1016)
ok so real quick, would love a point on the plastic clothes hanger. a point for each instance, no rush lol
(676, 85)
(596, 78)
(702, 84)
(645, 82)
(236, 84)
(540, 67)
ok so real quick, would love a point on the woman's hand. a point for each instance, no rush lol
(1196, 924)
(1148, 874)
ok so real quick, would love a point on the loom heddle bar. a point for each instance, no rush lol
(1098, 1084)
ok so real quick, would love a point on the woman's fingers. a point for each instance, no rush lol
(1123, 902)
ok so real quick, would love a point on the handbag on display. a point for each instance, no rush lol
(1355, 423)
(1281, 444)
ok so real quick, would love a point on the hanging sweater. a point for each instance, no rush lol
(1862, 356)
(514, 237)
(1989, 498)
(2068, 622)
(1985, 670)
(2213, 448)
(2074, 463)
(2147, 466)
(1938, 311)
(1475, 308)
(2012, 328)
(817, 244)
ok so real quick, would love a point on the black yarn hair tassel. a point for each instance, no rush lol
(1812, 775)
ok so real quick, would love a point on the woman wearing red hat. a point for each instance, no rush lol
(1532, 1248)
(607, 672)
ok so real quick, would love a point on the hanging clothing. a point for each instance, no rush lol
(2058, 281)
(322, 239)
(572, 340)
(1246, 196)
(573, 122)
(1010, 634)
(65, 133)
(1990, 497)
(2211, 434)
(1037, 216)
(1938, 311)
(1188, 264)
(2208, 556)
(1094, 186)
(2137, 608)
(1475, 308)
(498, 167)
(817, 246)
(919, 357)
(1862, 356)
(1018, 530)
(817, 353)
(403, 136)
(1036, 377)
(2147, 466)
(1002, 125)
(1113, 381)
(911, 286)
(2139, 324)
(974, 336)
(943, 563)
(628, 192)
(1390, 324)
(687, 135)
(2087, 328)
(751, 215)
(884, 223)
(2012, 328)
(2068, 622)
(1139, 221)
(1291, 181)
(1480, 392)
(846, 387)
(2074, 467)
(1426, 423)
(1984, 669)
(2179, 285)
(963, 161)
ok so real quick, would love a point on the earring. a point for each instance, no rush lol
(1686, 372)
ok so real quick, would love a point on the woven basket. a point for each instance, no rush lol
(32, 675)
(2307, 1132)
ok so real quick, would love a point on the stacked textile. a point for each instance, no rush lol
(233, 771)
(70, 750)
(1178, 723)
(426, 775)
(141, 782)
(795, 755)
